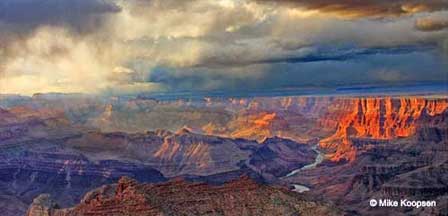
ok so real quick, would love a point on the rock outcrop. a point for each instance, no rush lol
(240, 197)
(187, 153)
(43, 205)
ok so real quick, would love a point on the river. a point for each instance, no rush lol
(319, 158)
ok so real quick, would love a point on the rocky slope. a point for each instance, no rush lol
(277, 157)
(188, 153)
(240, 197)
(65, 177)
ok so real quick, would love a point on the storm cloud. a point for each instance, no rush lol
(78, 15)
(367, 8)
(96, 46)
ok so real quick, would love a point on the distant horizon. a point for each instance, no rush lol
(435, 89)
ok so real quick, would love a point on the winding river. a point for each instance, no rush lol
(319, 158)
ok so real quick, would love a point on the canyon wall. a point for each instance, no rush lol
(82, 145)
(377, 120)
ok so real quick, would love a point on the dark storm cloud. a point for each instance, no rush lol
(319, 54)
(139, 45)
(377, 69)
(404, 65)
(367, 8)
(78, 15)
(344, 54)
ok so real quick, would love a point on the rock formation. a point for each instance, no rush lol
(239, 197)
(379, 119)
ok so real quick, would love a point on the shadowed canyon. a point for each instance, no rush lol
(86, 155)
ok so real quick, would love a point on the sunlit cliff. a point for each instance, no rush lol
(381, 119)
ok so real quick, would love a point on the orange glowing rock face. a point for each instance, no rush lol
(209, 128)
(255, 126)
(265, 120)
(379, 118)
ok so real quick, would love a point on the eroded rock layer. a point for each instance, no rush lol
(379, 120)
(240, 197)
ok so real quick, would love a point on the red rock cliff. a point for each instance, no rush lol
(378, 118)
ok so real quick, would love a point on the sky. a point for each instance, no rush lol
(135, 46)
